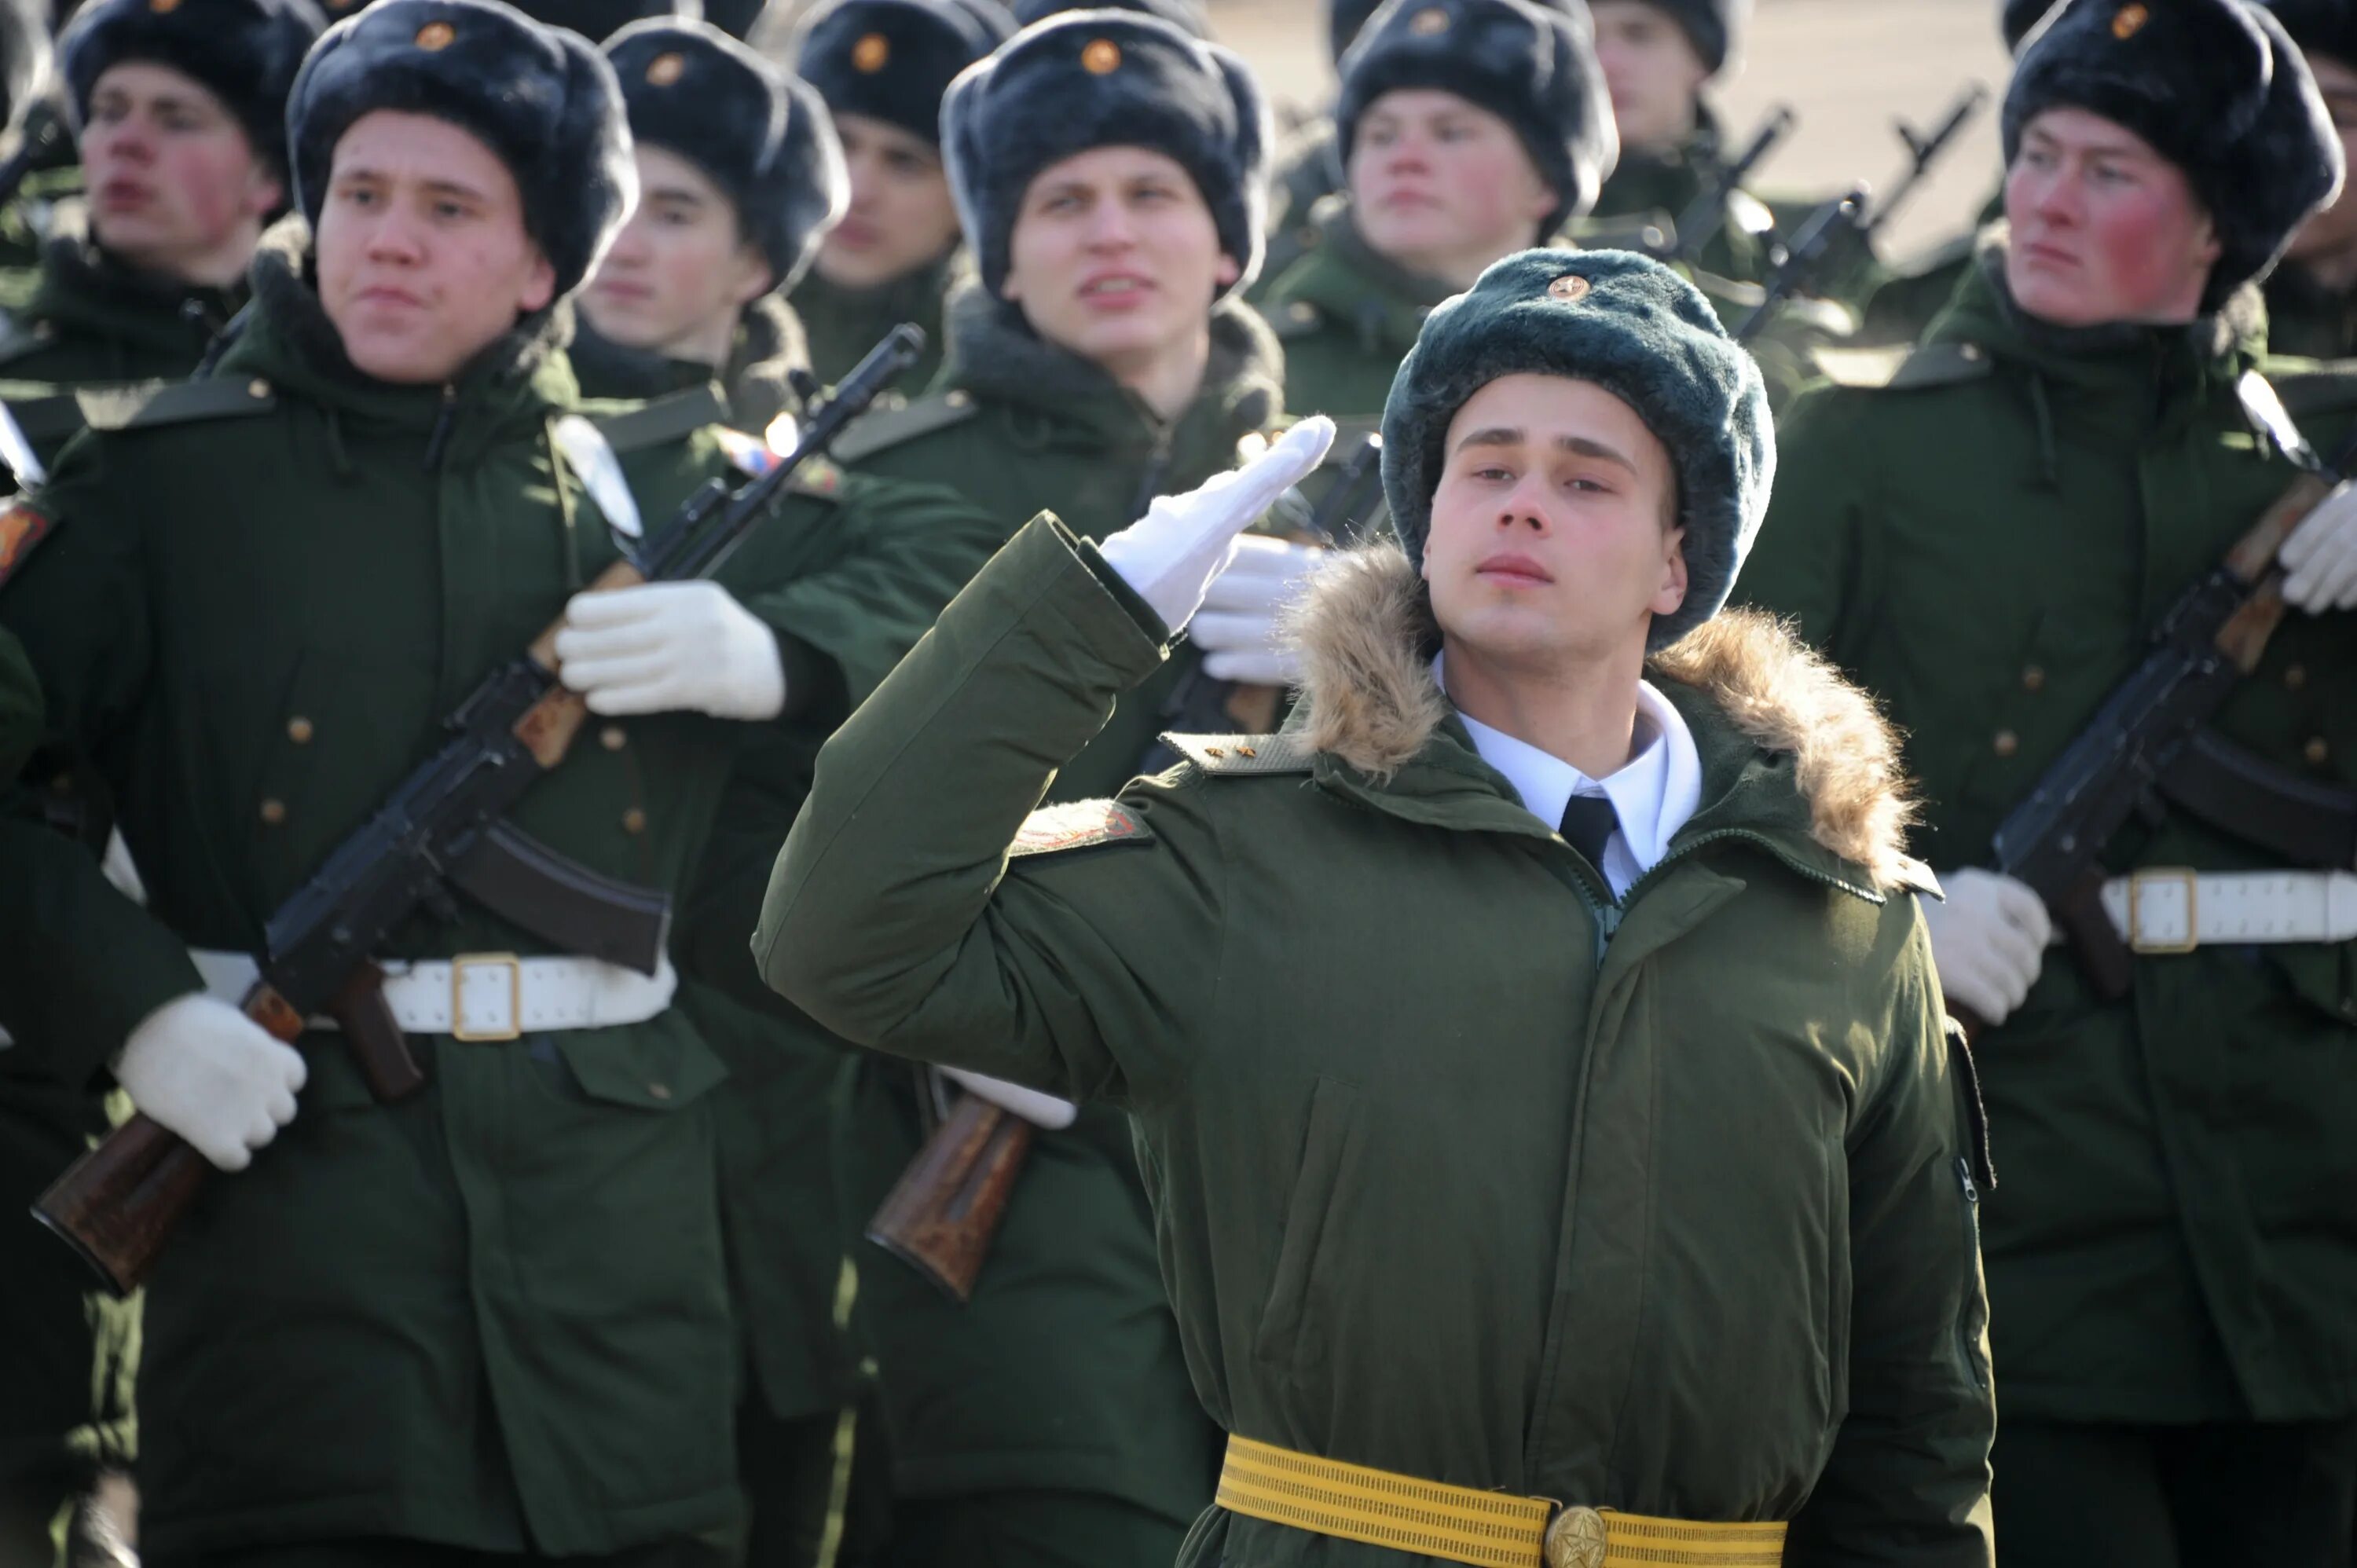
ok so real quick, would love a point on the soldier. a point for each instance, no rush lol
(882, 67)
(2312, 296)
(1369, 1008)
(1470, 129)
(179, 113)
(1987, 532)
(488, 1322)
(1658, 58)
(1109, 169)
(739, 179)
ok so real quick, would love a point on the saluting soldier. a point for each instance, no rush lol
(1467, 130)
(882, 67)
(179, 117)
(2312, 296)
(1559, 968)
(488, 1322)
(1988, 531)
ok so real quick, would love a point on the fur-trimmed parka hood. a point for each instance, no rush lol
(1743, 681)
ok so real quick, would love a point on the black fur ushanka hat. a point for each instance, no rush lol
(893, 59)
(244, 52)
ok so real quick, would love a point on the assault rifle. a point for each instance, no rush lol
(2148, 742)
(1846, 228)
(942, 1214)
(1700, 223)
(441, 830)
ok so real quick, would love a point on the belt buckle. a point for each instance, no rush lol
(2184, 874)
(458, 968)
(1575, 1538)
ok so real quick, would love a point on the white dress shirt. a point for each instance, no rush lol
(1654, 794)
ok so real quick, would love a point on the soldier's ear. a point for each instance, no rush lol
(1230, 270)
(539, 284)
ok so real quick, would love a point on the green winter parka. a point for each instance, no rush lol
(1460, 1168)
(1985, 532)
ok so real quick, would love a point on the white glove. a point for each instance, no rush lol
(212, 1075)
(1170, 556)
(2320, 559)
(1043, 1111)
(1240, 627)
(1988, 940)
(663, 646)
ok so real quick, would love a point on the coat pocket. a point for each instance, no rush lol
(1328, 1150)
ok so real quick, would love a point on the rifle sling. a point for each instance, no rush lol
(2232, 789)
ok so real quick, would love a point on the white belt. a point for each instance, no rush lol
(2173, 909)
(487, 996)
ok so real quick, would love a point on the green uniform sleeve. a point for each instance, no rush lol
(1812, 562)
(897, 916)
(20, 707)
(80, 964)
(1908, 1480)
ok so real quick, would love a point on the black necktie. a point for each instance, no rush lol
(1587, 824)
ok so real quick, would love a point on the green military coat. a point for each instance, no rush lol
(1985, 532)
(2307, 317)
(1661, 187)
(844, 323)
(754, 383)
(495, 1314)
(1460, 1168)
(86, 316)
(20, 707)
(1306, 173)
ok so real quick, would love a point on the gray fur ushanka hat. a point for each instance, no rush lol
(892, 59)
(760, 134)
(2217, 89)
(1632, 327)
(244, 52)
(1532, 65)
(1105, 79)
(544, 101)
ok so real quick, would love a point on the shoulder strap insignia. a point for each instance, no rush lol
(1903, 367)
(879, 430)
(21, 528)
(663, 421)
(1077, 824)
(152, 404)
(1238, 754)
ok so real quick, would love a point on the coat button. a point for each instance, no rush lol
(2295, 677)
(257, 388)
(613, 737)
(958, 399)
(2006, 743)
(1972, 352)
(2317, 752)
(298, 730)
(659, 1090)
(634, 820)
(274, 811)
(2033, 679)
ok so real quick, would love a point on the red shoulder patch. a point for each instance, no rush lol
(1079, 824)
(21, 528)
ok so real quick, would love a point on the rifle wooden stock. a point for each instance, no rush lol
(942, 1215)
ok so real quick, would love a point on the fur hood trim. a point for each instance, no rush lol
(1367, 638)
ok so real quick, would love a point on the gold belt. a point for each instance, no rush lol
(1488, 1530)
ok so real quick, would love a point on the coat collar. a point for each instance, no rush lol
(83, 286)
(769, 348)
(1790, 754)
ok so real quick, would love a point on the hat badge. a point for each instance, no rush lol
(1101, 58)
(436, 36)
(871, 54)
(1570, 288)
(1427, 22)
(2128, 21)
(666, 68)
(162, 8)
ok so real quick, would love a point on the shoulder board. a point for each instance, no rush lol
(21, 528)
(1293, 318)
(156, 404)
(663, 421)
(1903, 366)
(1077, 824)
(1238, 754)
(880, 430)
(2314, 386)
(1917, 878)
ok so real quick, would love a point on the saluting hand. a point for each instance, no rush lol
(1170, 556)
(668, 647)
(2320, 559)
(212, 1075)
(1240, 628)
(1989, 939)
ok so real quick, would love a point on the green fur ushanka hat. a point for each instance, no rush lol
(760, 134)
(1532, 65)
(2217, 89)
(2321, 26)
(892, 59)
(244, 52)
(543, 99)
(1631, 325)
(1105, 78)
